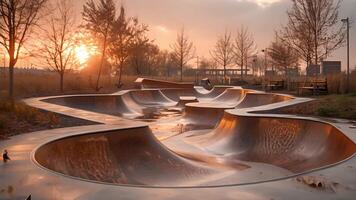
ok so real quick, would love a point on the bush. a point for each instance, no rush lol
(3, 123)
(327, 112)
(352, 115)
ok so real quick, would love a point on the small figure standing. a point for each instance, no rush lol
(5, 156)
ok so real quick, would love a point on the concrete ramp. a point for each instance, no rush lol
(144, 83)
(125, 157)
(151, 98)
(201, 94)
(261, 99)
(209, 113)
(230, 98)
(128, 104)
(118, 105)
(294, 144)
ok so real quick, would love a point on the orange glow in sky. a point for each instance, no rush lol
(82, 54)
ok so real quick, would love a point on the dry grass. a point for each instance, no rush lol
(17, 118)
(32, 85)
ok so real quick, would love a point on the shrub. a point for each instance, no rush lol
(327, 112)
(3, 123)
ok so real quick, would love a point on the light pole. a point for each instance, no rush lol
(196, 71)
(347, 21)
(265, 52)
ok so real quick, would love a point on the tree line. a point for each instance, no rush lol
(312, 33)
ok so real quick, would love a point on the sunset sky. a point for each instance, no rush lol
(205, 20)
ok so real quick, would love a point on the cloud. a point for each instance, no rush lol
(162, 29)
(262, 3)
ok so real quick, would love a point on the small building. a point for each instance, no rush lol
(293, 72)
(313, 70)
(270, 73)
(331, 67)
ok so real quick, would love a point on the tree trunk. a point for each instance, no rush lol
(316, 47)
(246, 68)
(246, 63)
(119, 84)
(11, 78)
(167, 73)
(242, 70)
(149, 70)
(61, 82)
(181, 71)
(224, 74)
(12, 62)
(97, 88)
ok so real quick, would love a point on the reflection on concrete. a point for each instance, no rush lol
(230, 154)
(296, 145)
(207, 145)
(132, 156)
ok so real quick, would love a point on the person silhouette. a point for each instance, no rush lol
(5, 156)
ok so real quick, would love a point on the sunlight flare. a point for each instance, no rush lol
(82, 54)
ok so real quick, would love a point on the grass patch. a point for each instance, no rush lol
(334, 106)
(17, 118)
(327, 112)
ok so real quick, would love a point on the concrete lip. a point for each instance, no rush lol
(248, 152)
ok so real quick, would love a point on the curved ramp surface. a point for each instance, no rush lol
(261, 99)
(294, 144)
(145, 83)
(151, 98)
(229, 156)
(128, 104)
(127, 157)
(201, 94)
(117, 105)
(209, 113)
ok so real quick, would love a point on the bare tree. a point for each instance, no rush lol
(99, 18)
(17, 20)
(125, 30)
(317, 23)
(144, 55)
(222, 53)
(300, 38)
(59, 43)
(244, 48)
(164, 63)
(139, 51)
(183, 51)
(283, 55)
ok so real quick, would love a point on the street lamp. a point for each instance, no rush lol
(196, 71)
(265, 52)
(347, 21)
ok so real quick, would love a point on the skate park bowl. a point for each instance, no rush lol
(237, 139)
(241, 150)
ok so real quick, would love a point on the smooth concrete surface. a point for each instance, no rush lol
(22, 177)
(250, 153)
(211, 112)
(144, 83)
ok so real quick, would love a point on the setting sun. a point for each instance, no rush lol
(82, 54)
